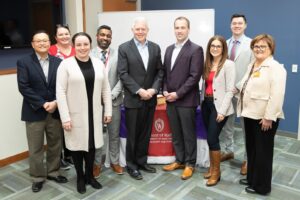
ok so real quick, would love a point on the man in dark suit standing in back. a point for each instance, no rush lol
(36, 75)
(183, 64)
(140, 70)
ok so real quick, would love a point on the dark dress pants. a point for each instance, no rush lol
(259, 147)
(183, 125)
(139, 125)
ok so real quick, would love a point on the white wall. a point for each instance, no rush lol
(74, 16)
(92, 8)
(161, 25)
(13, 136)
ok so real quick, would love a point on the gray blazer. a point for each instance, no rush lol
(223, 85)
(134, 76)
(243, 57)
(113, 78)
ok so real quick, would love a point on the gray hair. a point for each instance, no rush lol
(140, 19)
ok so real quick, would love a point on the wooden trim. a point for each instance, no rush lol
(8, 71)
(83, 16)
(118, 5)
(15, 158)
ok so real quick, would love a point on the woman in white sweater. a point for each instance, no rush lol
(261, 99)
(81, 88)
(217, 93)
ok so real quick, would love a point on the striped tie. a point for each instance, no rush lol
(233, 49)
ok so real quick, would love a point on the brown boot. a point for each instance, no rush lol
(244, 168)
(216, 173)
(96, 171)
(207, 175)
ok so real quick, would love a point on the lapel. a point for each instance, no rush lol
(168, 58)
(111, 63)
(51, 69)
(137, 53)
(181, 53)
(151, 53)
(38, 67)
(240, 48)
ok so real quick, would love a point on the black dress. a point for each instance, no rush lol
(89, 77)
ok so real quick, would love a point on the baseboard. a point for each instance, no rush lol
(15, 158)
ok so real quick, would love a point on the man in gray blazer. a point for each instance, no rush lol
(110, 58)
(183, 64)
(141, 72)
(240, 52)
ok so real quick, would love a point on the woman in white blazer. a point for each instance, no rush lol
(82, 86)
(217, 93)
(261, 99)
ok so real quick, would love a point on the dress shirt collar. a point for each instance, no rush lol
(139, 44)
(180, 45)
(239, 40)
(100, 50)
(40, 58)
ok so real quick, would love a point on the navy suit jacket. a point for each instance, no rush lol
(185, 75)
(34, 87)
(134, 75)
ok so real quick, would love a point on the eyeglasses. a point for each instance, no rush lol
(40, 41)
(215, 46)
(260, 47)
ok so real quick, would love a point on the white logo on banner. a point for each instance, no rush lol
(159, 125)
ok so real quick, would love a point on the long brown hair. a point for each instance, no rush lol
(209, 58)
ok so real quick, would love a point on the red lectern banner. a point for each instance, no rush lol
(161, 136)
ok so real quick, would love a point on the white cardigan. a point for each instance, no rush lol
(223, 86)
(73, 102)
(264, 93)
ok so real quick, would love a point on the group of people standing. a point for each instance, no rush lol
(73, 88)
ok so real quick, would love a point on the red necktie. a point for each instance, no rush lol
(233, 48)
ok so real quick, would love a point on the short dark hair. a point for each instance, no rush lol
(38, 32)
(183, 18)
(104, 27)
(66, 26)
(81, 34)
(236, 15)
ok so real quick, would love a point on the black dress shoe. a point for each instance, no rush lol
(147, 168)
(250, 190)
(136, 174)
(94, 183)
(37, 186)
(58, 179)
(244, 181)
(81, 186)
